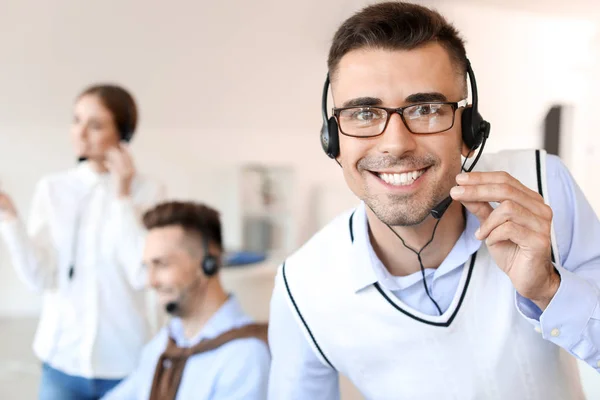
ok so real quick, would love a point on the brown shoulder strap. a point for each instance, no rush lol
(259, 331)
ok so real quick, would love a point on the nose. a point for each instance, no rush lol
(396, 139)
(79, 130)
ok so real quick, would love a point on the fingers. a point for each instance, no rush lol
(510, 211)
(118, 159)
(126, 159)
(481, 210)
(111, 160)
(119, 163)
(519, 205)
(500, 192)
(495, 178)
(7, 206)
(524, 238)
(4, 199)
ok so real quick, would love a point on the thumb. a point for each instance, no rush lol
(109, 163)
(480, 209)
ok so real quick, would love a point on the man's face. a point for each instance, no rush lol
(172, 269)
(400, 175)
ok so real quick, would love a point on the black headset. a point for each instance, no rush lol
(210, 263)
(210, 266)
(126, 132)
(474, 128)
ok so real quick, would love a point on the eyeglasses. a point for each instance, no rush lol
(422, 118)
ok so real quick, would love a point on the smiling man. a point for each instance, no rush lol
(210, 349)
(456, 276)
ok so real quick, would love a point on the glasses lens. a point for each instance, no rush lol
(362, 121)
(429, 118)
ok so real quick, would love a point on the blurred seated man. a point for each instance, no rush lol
(210, 348)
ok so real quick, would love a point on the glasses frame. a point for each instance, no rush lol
(400, 111)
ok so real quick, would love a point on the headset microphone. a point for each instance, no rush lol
(438, 211)
(171, 307)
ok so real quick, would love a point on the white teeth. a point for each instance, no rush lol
(403, 179)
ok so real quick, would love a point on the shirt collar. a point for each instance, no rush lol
(362, 273)
(85, 172)
(363, 259)
(226, 317)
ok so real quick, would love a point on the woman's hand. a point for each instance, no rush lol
(7, 207)
(120, 164)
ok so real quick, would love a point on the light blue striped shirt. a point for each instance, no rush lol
(237, 370)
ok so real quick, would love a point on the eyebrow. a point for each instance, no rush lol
(156, 260)
(413, 98)
(96, 120)
(425, 97)
(363, 102)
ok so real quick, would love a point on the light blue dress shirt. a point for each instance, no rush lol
(237, 370)
(574, 312)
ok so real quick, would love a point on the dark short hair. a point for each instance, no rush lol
(396, 26)
(194, 218)
(120, 103)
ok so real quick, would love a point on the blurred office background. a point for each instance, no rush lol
(229, 97)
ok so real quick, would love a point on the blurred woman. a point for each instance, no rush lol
(82, 248)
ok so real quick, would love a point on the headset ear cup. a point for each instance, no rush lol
(126, 133)
(209, 265)
(334, 140)
(468, 134)
(129, 135)
(325, 138)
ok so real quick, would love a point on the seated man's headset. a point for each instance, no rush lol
(209, 265)
(475, 131)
